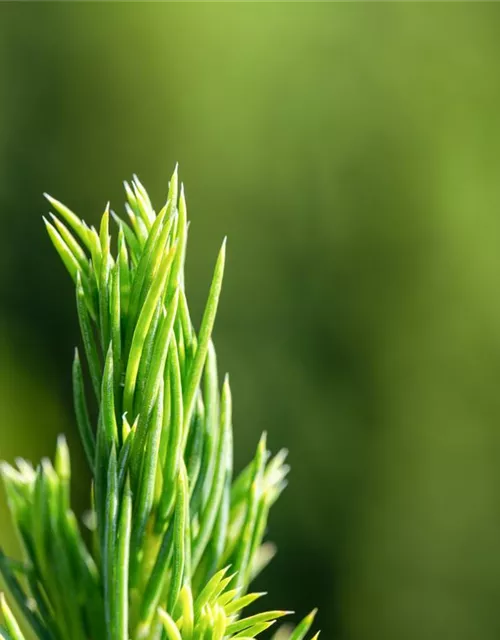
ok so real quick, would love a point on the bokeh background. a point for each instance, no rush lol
(351, 152)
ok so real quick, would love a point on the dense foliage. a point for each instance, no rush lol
(175, 539)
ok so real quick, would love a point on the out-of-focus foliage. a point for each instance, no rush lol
(32, 412)
(350, 152)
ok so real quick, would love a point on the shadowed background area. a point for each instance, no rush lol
(351, 155)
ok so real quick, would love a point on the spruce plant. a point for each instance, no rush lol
(174, 540)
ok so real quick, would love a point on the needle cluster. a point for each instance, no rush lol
(175, 539)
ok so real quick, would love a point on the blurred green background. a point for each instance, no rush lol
(351, 152)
